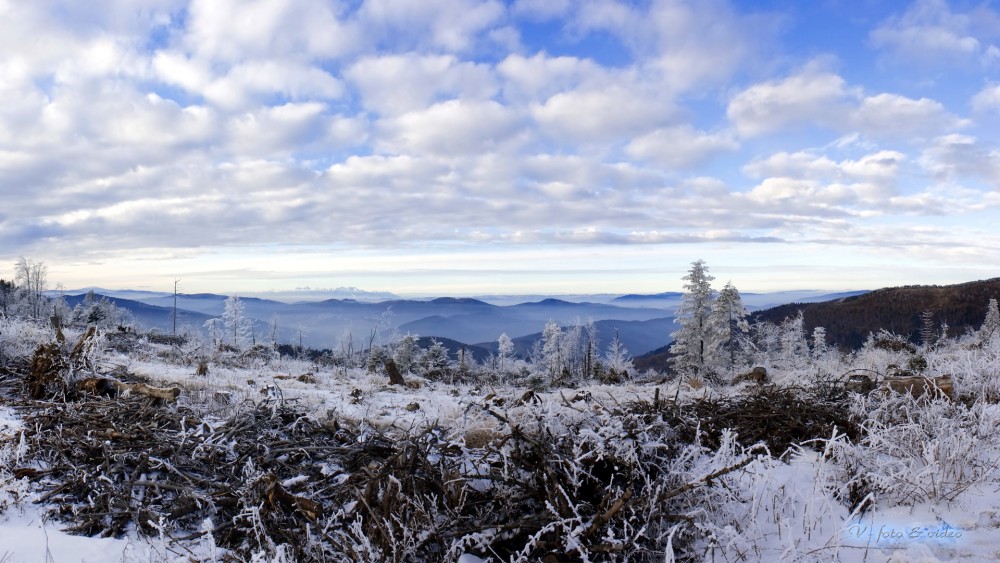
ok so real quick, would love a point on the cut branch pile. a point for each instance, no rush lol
(612, 484)
(779, 417)
(271, 477)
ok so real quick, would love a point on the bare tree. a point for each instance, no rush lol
(32, 277)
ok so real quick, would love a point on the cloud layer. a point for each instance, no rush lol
(193, 127)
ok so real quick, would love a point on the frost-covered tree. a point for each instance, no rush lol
(552, 352)
(573, 349)
(794, 347)
(407, 353)
(617, 357)
(692, 341)
(8, 297)
(239, 329)
(435, 360)
(927, 334)
(505, 348)
(216, 331)
(32, 278)
(727, 329)
(991, 325)
(99, 312)
(820, 347)
(591, 348)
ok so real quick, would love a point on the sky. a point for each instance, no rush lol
(453, 147)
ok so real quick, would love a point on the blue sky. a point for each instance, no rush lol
(469, 147)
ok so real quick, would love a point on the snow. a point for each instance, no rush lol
(26, 538)
(773, 509)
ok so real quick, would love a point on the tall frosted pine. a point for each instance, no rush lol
(729, 325)
(693, 340)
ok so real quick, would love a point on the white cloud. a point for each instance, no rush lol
(882, 165)
(452, 25)
(454, 127)
(895, 115)
(809, 97)
(686, 44)
(232, 31)
(601, 115)
(180, 70)
(704, 42)
(397, 123)
(278, 130)
(537, 78)
(824, 99)
(954, 158)
(987, 99)
(395, 84)
(681, 147)
(931, 32)
(261, 78)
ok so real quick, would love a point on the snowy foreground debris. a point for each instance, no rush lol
(256, 463)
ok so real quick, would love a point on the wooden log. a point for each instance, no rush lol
(919, 386)
(112, 387)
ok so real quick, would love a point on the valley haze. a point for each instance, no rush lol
(334, 318)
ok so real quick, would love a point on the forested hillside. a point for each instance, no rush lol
(901, 310)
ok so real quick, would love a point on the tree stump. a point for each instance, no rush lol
(395, 378)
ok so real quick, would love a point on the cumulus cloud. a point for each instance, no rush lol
(882, 165)
(537, 78)
(203, 123)
(954, 158)
(449, 25)
(234, 31)
(688, 44)
(987, 99)
(601, 115)
(681, 147)
(455, 127)
(819, 98)
(809, 97)
(892, 114)
(395, 84)
(929, 31)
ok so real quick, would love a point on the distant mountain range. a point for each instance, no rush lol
(465, 321)
(643, 322)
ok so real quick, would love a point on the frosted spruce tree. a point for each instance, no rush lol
(505, 349)
(239, 328)
(728, 327)
(617, 357)
(552, 349)
(692, 342)
(991, 324)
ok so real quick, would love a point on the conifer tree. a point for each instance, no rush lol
(505, 348)
(727, 327)
(617, 357)
(692, 341)
(552, 352)
(991, 325)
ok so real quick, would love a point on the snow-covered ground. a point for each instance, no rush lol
(934, 464)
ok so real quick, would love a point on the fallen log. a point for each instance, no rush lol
(112, 388)
(919, 386)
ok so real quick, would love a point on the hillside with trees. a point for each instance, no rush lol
(914, 312)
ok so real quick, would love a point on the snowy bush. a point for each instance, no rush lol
(916, 449)
(20, 337)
